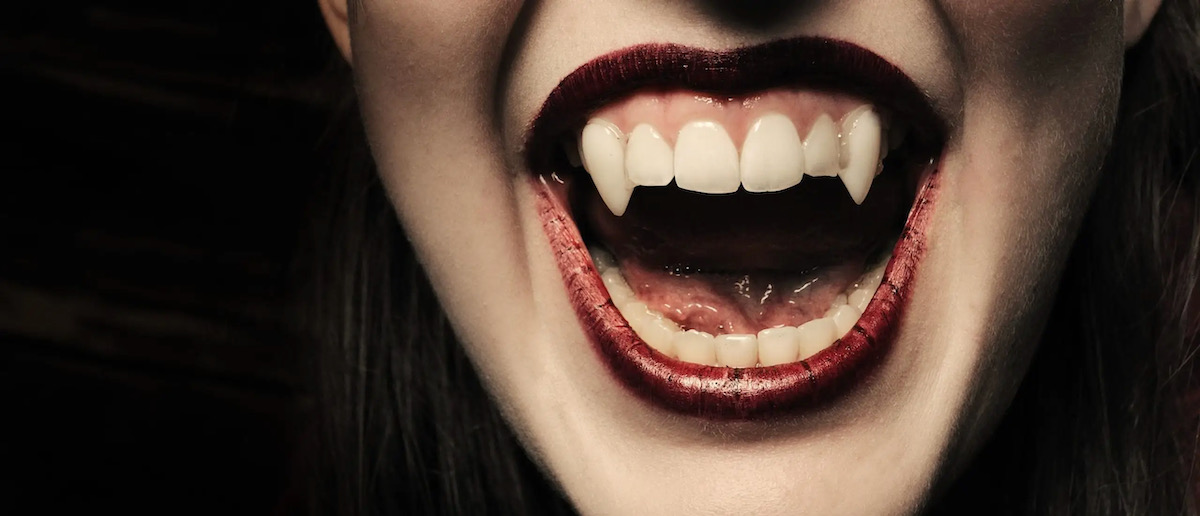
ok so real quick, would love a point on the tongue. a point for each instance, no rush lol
(743, 262)
(720, 303)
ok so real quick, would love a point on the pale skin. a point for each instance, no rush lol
(1029, 88)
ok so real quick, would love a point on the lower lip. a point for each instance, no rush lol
(726, 393)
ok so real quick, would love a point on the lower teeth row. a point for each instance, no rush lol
(772, 346)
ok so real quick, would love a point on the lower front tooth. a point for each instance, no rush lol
(737, 350)
(602, 150)
(706, 160)
(696, 347)
(816, 335)
(778, 345)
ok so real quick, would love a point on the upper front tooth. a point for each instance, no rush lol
(705, 159)
(821, 148)
(861, 131)
(772, 155)
(602, 150)
(649, 160)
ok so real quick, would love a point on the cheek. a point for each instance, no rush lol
(1041, 83)
(426, 75)
(1030, 47)
(1041, 90)
(425, 72)
(433, 43)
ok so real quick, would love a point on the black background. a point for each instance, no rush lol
(156, 172)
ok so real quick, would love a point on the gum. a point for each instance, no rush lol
(669, 111)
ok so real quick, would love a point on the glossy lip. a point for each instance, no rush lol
(717, 392)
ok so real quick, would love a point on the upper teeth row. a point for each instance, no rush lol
(773, 157)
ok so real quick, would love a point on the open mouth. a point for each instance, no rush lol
(737, 230)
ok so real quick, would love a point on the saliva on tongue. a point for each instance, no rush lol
(743, 262)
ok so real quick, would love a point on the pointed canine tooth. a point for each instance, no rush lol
(705, 159)
(772, 155)
(861, 133)
(658, 331)
(844, 318)
(618, 289)
(778, 345)
(649, 160)
(696, 347)
(821, 148)
(737, 350)
(860, 298)
(816, 335)
(602, 149)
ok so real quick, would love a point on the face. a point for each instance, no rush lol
(713, 353)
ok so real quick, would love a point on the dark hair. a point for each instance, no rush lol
(1106, 421)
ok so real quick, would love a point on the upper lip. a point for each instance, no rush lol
(803, 63)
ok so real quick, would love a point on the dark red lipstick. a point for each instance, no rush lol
(715, 392)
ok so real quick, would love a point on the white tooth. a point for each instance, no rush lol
(602, 259)
(658, 331)
(778, 345)
(860, 148)
(737, 350)
(860, 298)
(816, 335)
(649, 160)
(705, 159)
(844, 318)
(772, 155)
(602, 148)
(696, 347)
(618, 289)
(571, 149)
(821, 148)
(874, 278)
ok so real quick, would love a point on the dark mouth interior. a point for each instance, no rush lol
(742, 262)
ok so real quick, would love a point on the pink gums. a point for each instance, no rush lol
(669, 111)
